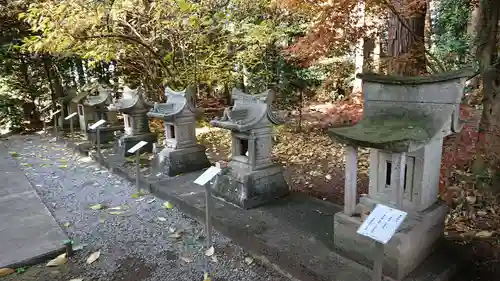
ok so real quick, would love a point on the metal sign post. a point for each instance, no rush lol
(71, 129)
(54, 115)
(380, 226)
(203, 180)
(96, 126)
(137, 150)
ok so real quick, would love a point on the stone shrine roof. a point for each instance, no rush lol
(248, 112)
(177, 101)
(402, 114)
(93, 94)
(131, 100)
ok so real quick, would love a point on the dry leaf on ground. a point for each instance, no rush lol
(249, 260)
(210, 251)
(59, 260)
(168, 205)
(186, 259)
(97, 207)
(161, 219)
(76, 279)
(93, 257)
(6, 271)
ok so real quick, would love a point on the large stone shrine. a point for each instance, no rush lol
(252, 178)
(181, 153)
(404, 123)
(134, 108)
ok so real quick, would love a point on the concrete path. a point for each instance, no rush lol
(28, 232)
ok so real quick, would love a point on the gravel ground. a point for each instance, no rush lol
(135, 242)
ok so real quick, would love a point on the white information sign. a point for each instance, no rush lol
(209, 174)
(70, 116)
(382, 223)
(97, 124)
(137, 146)
(54, 113)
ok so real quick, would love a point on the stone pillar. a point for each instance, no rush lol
(398, 178)
(350, 189)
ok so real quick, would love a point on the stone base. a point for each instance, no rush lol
(127, 142)
(107, 134)
(249, 189)
(185, 160)
(408, 248)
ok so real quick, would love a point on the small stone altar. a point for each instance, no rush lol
(134, 108)
(252, 178)
(404, 123)
(182, 153)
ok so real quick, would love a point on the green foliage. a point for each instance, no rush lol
(452, 45)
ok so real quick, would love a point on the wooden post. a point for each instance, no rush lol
(378, 262)
(398, 168)
(350, 189)
(138, 169)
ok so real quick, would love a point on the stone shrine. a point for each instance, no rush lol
(182, 153)
(252, 178)
(404, 123)
(92, 105)
(67, 106)
(134, 108)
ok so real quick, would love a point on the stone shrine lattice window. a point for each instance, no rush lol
(80, 109)
(384, 178)
(388, 173)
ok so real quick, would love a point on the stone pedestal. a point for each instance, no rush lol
(249, 189)
(127, 142)
(183, 160)
(107, 134)
(413, 243)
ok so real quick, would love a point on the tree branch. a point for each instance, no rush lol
(130, 39)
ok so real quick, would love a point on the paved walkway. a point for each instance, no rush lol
(28, 231)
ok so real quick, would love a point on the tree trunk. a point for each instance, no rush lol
(359, 48)
(428, 25)
(406, 47)
(472, 32)
(488, 151)
(80, 71)
(48, 74)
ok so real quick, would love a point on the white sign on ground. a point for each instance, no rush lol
(382, 223)
(97, 124)
(70, 116)
(54, 113)
(137, 146)
(209, 174)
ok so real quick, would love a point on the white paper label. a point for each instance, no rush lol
(209, 174)
(70, 116)
(137, 146)
(97, 124)
(382, 223)
(54, 113)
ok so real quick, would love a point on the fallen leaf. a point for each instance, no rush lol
(161, 219)
(137, 195)
(210, 251)
(63, 166)
(328, 177)
(168, 205)
(76, 279)
(484, 234)
(67, 224)
(186, 259)
(206, 277)
(175, 235)
(116, 213)
(97, 207)
(93, 257)
(59, 260)
(140, 199)
(249, 260)
(6, 271)
(171, 229)
(14, 154)
(118, 208)
(151, 201)
(471, 199)
(214, 259)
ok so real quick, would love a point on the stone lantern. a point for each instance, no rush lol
(405, 121)
(182, 153)
(134, 108)
(253, 178)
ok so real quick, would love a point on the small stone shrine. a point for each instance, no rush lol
(252, 178)
(67, 106)
(182, 153)
(404, 123)
(134, 108)
(92, 102)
